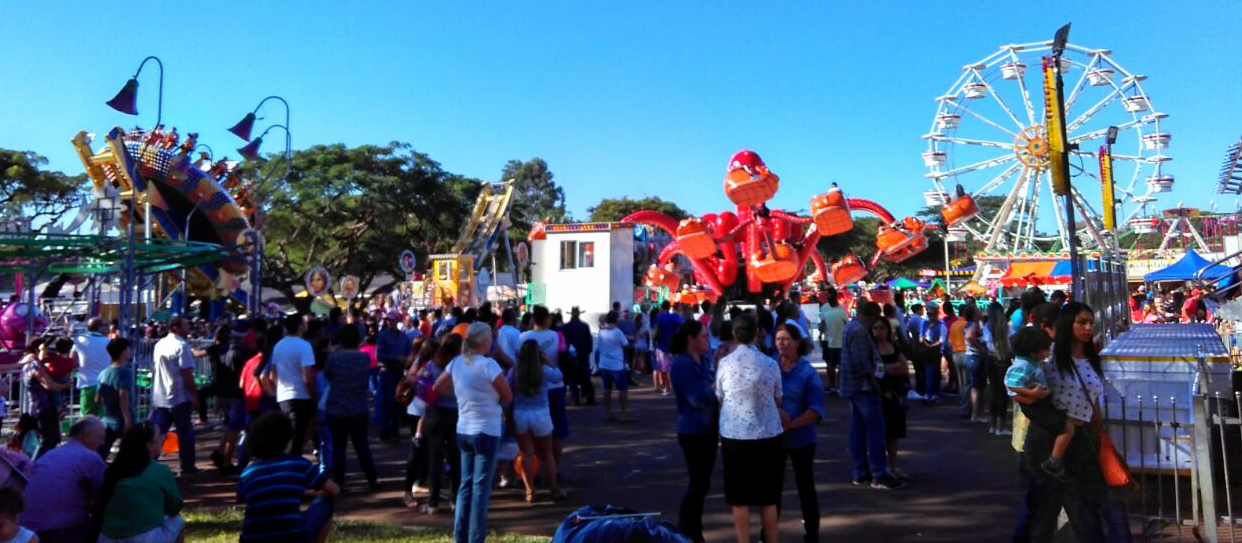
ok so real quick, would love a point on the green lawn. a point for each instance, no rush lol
(207, 527)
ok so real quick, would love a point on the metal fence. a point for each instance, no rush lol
(1185, 454)
(143, 366)
(1104, 288)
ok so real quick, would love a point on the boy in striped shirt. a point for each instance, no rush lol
(273, 484)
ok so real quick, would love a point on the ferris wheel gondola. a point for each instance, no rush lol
(988, 137)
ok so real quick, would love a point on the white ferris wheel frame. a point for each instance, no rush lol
(1022, 201)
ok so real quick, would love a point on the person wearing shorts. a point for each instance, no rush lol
(531, 379)
(611, 348)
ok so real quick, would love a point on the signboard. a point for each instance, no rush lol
(1136, 269)
(406, 261)
(317, 281)
(349, 287)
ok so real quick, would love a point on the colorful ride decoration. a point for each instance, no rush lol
(961, 208)
(748, 181)
(658, 277)
(694, 238)
(154, 167)
(850, 269)
(14, 320)
(770, 246)
(831, 212)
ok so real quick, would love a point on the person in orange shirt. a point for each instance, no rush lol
(955, 340)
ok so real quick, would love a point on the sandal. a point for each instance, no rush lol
(530, 496)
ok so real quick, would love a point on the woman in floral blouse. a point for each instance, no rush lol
(748, 384)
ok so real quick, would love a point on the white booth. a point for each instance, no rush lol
(1153, 371)
(589, 265)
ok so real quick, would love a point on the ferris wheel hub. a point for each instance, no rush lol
(1031, 146)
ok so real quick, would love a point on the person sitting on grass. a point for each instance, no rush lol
(140, 501)
(1027, 384)
(273, 484)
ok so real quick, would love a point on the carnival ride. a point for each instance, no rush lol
(773, 246)
(203, 200)
(452, 280)
(989, 137)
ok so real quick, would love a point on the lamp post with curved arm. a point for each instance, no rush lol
(126, 101)
(250, 151)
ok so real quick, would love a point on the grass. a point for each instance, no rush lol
(224, 527)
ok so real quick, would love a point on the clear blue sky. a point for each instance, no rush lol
(621, 98)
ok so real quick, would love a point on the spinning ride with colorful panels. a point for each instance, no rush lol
(772, 246)
(154, 167)
(989, 138)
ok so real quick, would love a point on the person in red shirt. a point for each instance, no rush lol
(1190, 308)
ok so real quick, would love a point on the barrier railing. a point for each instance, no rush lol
(1185, 454)
(143, 368)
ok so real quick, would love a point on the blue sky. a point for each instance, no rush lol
(621, 98)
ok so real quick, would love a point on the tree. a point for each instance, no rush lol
(33, 195)
(535, 196)
(353, 210)
(615, 209)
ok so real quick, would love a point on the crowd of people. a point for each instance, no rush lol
(476, 386)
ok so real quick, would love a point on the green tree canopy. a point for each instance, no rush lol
(354, 209)
(860, 241)
(615, 209)
(30, 193)
(535, 195)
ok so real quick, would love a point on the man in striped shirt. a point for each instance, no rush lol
(273, 484)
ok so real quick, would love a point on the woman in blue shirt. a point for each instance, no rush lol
(693, 375)
(802, 405)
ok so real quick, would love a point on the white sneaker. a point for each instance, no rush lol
(1005, 432)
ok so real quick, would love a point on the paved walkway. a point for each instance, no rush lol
(963, 483)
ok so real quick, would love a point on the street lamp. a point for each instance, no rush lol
(185, 237)
(250, 151)
(126, 101)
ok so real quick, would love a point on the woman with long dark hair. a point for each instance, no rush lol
(692, 376)
(416, 464)
(530, 380)
(139, 500)
(1075, 378)
(999, 360)
(440, 428)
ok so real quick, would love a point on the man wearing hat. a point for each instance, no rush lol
(578, 336)
(392, 349)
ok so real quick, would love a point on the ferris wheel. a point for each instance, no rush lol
(988, 137)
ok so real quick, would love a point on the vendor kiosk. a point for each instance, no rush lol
(1156, 373)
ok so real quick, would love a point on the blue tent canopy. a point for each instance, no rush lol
(1184, 269)
(1062, 268)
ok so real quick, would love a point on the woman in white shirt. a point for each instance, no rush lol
(748, 384)
(480, 387)
(1075, 379)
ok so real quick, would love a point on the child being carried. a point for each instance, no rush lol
(1027, 384)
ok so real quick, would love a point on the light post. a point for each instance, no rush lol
(250, 151)
(1059, 148)
(126, 101)
(185, 236)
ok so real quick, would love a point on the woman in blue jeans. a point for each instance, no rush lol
(480, 388)
(975, 372)
(347, 372)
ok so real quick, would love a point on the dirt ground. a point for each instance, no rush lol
(963, 482)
